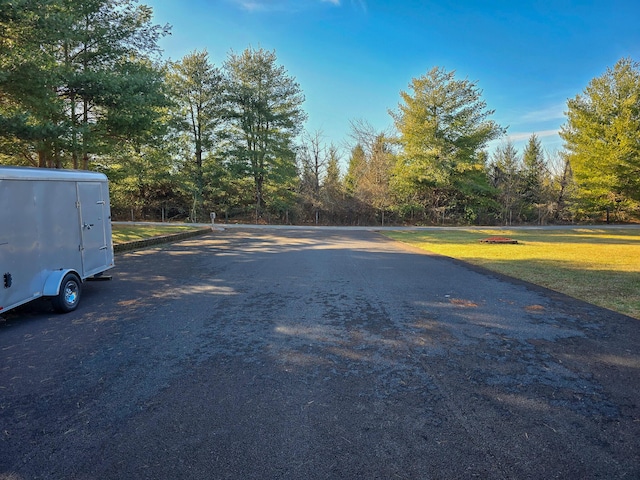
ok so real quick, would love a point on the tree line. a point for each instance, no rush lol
(83, 85)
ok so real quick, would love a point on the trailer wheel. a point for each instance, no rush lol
(69, 297)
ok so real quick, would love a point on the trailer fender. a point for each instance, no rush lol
(54, 280)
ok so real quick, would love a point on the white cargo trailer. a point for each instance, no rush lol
(55, 232)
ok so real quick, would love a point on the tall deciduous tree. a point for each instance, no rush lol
(374, 179)
(312, 159)
(563, 188)
(444, 126)
(265, 110)
(602, 137)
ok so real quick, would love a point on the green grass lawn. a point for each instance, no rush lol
(600, 266)
(130, 233)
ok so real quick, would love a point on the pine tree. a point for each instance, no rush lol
(534, 181)
(197, 90)
(78, 77)
(505, 174)
(444, 126)
(332, 188)
(601, 138)
(357, 160)
(264, 108)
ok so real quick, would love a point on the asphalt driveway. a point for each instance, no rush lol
(316, 354)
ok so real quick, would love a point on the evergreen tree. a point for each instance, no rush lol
(332, 188)
(444, 126)
(77, 77)
(332, 183)
(264, 107)
(534, 181)
(357, 160)
(31, 114)
(601, 138)
(370, 169)
(197, 90)
(505, 174)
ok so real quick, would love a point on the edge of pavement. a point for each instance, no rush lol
(162, 239)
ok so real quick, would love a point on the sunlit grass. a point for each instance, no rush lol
(600, 266)
(130, 233)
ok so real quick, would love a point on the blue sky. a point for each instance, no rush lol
(353, 57)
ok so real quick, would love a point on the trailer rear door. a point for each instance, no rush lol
(92, 211)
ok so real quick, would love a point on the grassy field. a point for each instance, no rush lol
(600, 266)
(129, 233)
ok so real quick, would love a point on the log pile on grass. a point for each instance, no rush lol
(499, 240)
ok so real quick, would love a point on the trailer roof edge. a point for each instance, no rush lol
(31, 173)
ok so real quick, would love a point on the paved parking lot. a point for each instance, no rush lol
(316, 353)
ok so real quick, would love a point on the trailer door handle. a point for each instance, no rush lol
(87, 226)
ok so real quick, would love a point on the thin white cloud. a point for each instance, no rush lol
(251, 6)
(519, 136)
(279, 5)
(552, 112)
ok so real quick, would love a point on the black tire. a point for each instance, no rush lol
(69, 297)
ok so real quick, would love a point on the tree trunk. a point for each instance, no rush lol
(85, 141)
(42, 158)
